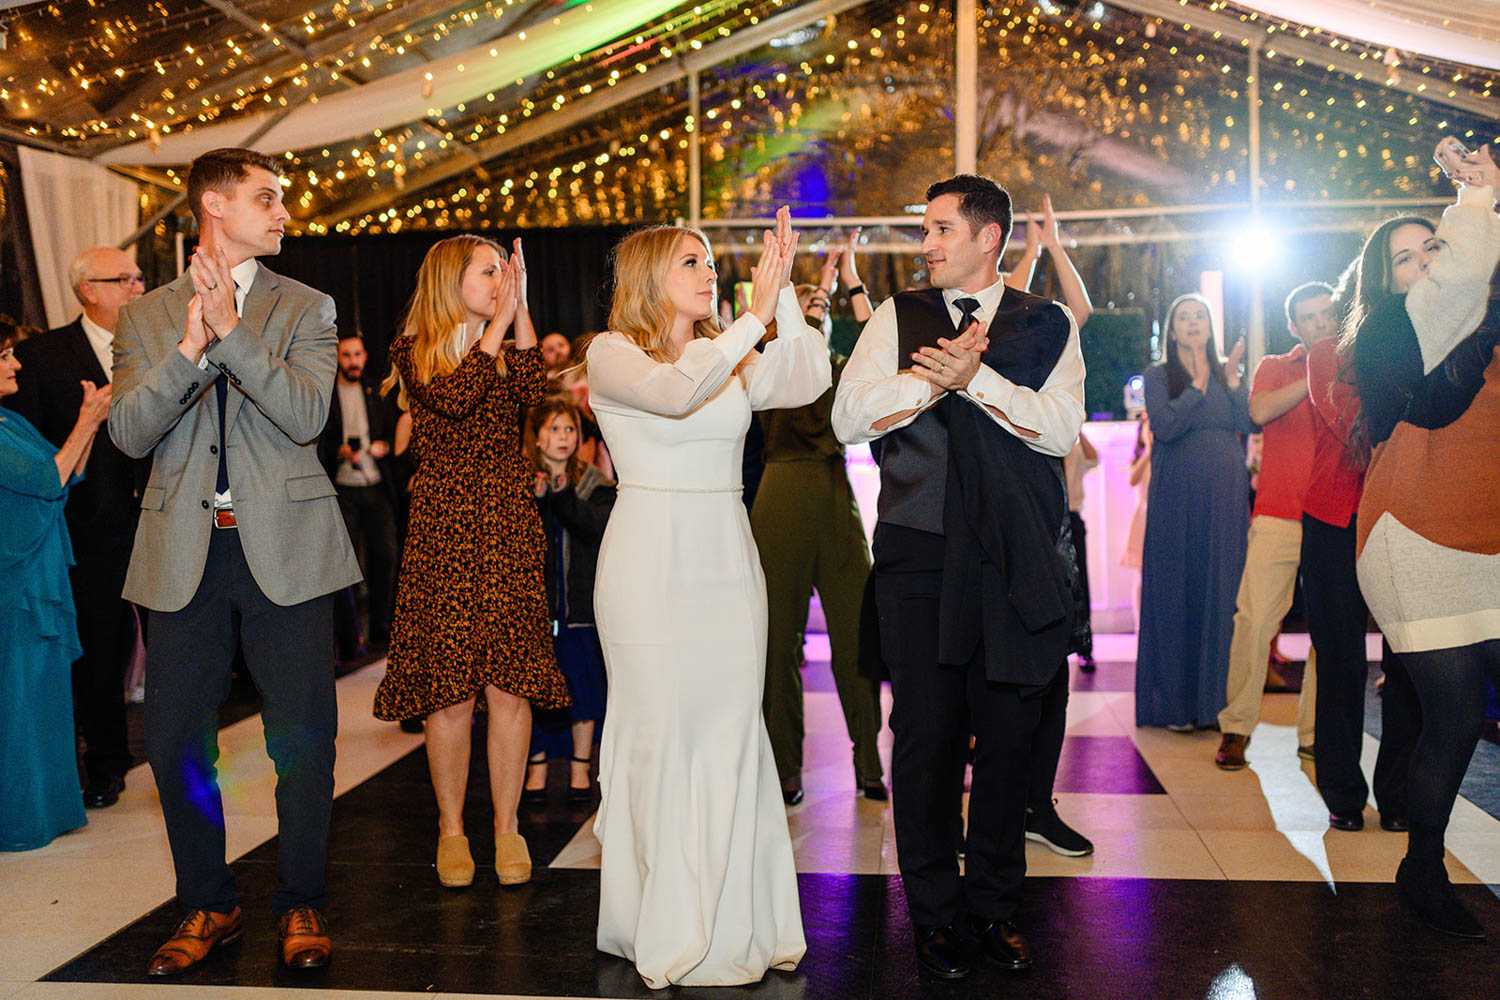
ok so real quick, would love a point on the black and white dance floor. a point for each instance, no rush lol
(1204, 884)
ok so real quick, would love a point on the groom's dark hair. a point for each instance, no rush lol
(980, 201)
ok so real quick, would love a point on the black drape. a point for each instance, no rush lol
(20, 292)
(371, 277)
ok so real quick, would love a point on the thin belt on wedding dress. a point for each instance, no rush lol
(682, 489)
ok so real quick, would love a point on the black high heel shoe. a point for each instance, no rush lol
(586, 793)
(534, 796)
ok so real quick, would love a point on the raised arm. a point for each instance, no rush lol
(1170, 418)
(1068, 278)
(874, 397)
(1047, 419)
(451, 395)
(294, 391)
(1448, 302)
(794, 370)
(147, 400)
(622, 373)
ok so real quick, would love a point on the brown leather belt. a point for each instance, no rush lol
(224, 517)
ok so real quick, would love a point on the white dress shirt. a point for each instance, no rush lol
(873, 388)
(350, 397)
(103, 343)
(243, 274)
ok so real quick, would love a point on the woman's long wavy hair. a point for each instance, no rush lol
(640, 308)
(1365, 283)
(435, 316)
(1178, 378)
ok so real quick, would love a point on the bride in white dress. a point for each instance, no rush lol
(698, 884)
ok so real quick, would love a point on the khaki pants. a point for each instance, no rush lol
(1271, 560)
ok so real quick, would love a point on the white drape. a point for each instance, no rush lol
(73, 205)
(1460, 31)
(420, 91)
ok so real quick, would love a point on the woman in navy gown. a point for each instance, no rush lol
(38, 632)
(1197, 519)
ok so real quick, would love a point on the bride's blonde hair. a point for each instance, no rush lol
(640, 309)
(436, 316)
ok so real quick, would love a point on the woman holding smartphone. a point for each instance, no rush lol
(1427, 369)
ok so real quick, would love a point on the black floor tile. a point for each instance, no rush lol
(1108, 765)
(1107, 675)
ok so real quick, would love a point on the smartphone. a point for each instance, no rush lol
(1450, 155)
(353, 442)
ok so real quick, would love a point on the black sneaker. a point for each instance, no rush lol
(1049, 830)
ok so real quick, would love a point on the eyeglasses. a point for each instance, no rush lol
(134, 279)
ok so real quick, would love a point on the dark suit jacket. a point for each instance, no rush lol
(381, 413)
(102, 510)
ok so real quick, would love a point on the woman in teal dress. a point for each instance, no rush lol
(38, 638)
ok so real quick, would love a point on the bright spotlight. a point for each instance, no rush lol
(1254, 249)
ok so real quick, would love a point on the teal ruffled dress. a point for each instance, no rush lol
(38, 644)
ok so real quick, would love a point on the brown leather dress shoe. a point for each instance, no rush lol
(1231, 755)
(194, 938)
(304, 938)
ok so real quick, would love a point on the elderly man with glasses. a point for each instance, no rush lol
(102, 509)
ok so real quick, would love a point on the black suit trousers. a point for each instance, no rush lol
(289, 651)
(934, 709)
(106, 632)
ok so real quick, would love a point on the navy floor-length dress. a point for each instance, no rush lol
(1197, 519)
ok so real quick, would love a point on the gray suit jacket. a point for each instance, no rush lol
(280, 362)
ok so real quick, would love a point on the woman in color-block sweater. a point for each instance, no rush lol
(1428, 376)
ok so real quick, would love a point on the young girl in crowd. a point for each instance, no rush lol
(1196, 523)
(471, 611)
(574, 499)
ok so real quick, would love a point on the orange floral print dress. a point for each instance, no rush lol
(471, 608)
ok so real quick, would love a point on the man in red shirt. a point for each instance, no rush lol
(1279, 403)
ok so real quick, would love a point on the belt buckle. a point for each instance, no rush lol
(224, 517)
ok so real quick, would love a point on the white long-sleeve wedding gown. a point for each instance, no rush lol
(698, 884)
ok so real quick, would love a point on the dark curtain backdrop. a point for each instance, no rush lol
(371, 277)
(20, 293)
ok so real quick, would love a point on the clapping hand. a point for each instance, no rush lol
(1050, 237)
(94, 409)
(828, 277)
(195, 335)
(215, 286)
(848, 273)
(952, 364)
(1232, 365)
(539, 487)
(508, 286)
(770, 275)
(518, 263)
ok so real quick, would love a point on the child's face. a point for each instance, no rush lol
(558, 438)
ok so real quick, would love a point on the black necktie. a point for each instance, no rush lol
(221, 392)
(970, 309)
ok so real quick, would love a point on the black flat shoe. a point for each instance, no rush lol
(1426, 891)
(791, 790)
(103, 794)
(1348, 822)
(1002, 944)
(873, 789)
(941, 953)
(1394, 824)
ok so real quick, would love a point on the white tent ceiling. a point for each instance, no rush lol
(1460, 31)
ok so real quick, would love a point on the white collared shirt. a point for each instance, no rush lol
(873, 387)
(350, 397)
(103, 343)
(243, 274)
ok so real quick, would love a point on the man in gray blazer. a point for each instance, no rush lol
(224, 378)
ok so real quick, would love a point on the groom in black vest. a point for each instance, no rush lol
(975, 391)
